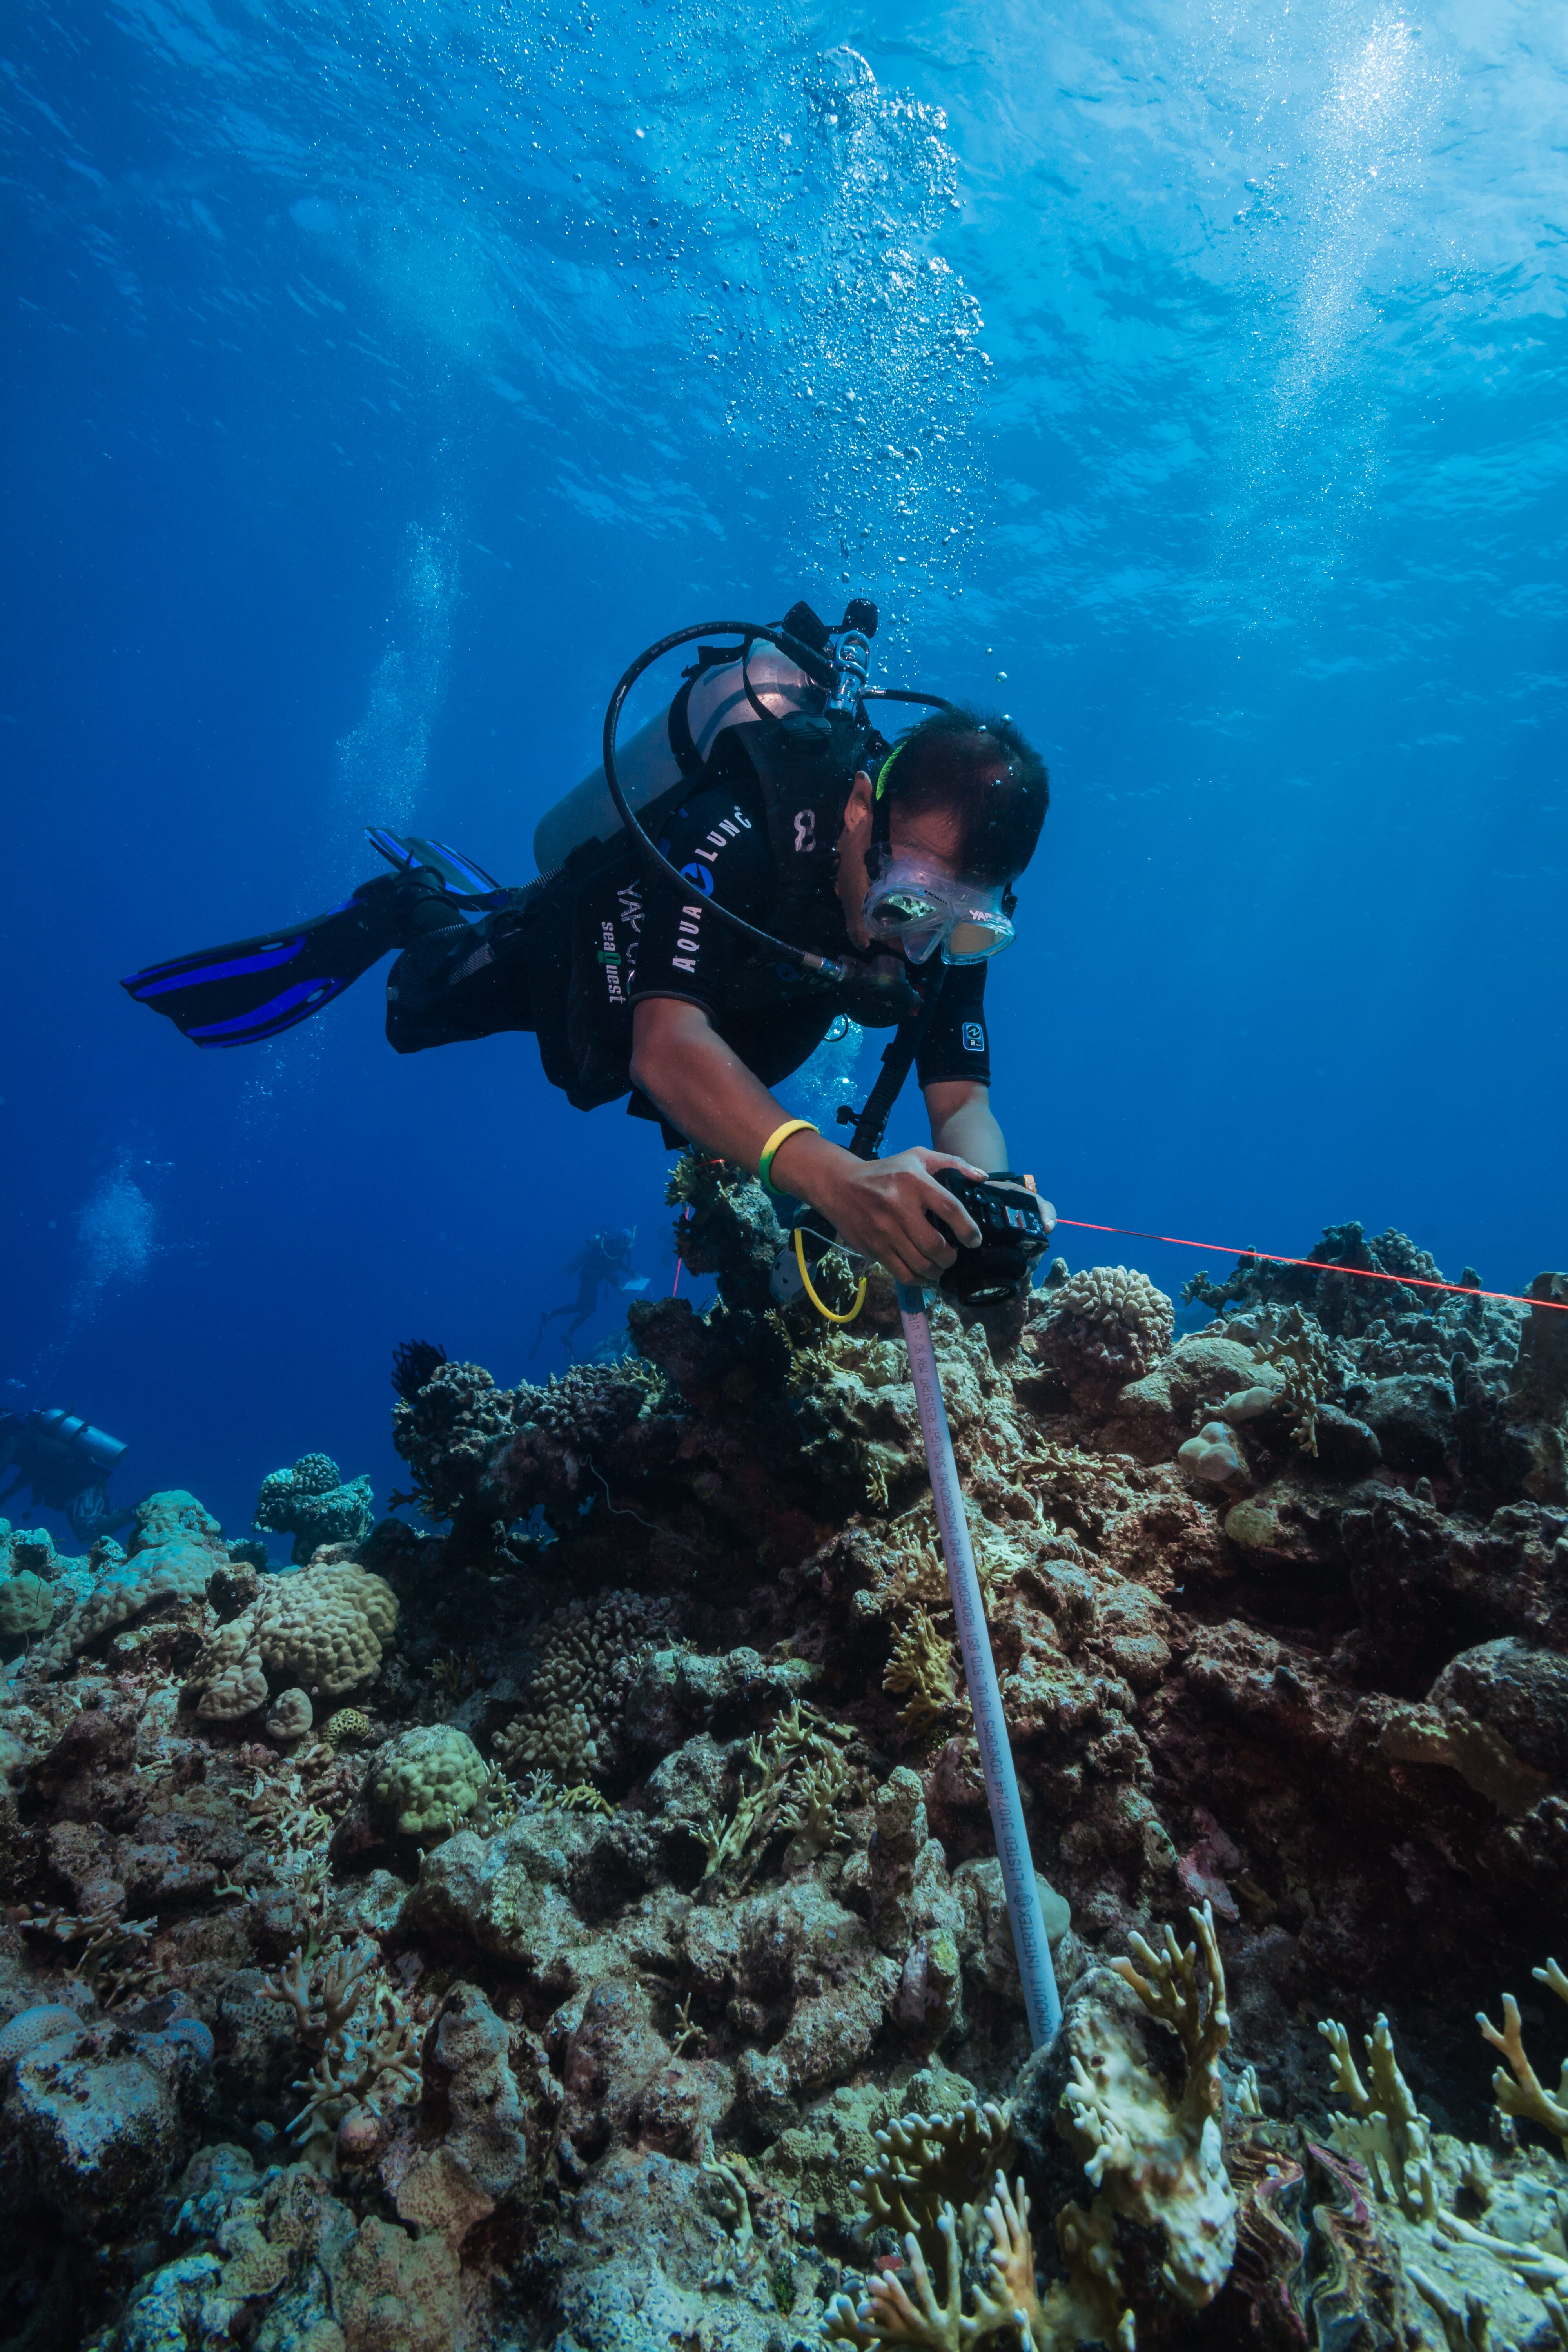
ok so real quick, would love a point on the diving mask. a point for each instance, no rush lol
(918, 907)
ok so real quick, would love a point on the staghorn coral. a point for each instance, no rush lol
(588, 1658)
(1157, 2164)
(799, 1777)
(324, 1626)
(1385, 2130)
(316, 1505)
(923, 1666)
(1517, 2089)
(427, 1780)
(358, 2073)
(1113, 1319)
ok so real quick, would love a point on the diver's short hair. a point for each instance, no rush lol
(978, 764)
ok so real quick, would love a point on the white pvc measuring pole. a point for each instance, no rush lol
(1041, 1998)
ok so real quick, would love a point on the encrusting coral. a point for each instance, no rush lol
(518, 1924)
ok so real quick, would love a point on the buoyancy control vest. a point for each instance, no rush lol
(790, 762)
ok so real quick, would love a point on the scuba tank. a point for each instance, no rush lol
(672, 749)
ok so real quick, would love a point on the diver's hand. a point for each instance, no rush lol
(883, 1209)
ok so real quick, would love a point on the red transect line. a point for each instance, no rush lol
(1361, 1273)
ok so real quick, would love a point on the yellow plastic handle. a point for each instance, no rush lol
(817, 1303)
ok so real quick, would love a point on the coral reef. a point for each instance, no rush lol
(568, 1919)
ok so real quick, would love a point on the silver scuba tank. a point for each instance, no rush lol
(647, 766)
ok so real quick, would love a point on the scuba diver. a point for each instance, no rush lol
(753, 863)
(64, 1464)
(605, 1261)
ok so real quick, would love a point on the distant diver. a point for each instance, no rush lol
(605, 1261)
(64, 1464)
(648, 957)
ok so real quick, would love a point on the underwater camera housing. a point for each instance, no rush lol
(1013, 1234)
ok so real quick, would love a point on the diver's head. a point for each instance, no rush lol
(930, 848)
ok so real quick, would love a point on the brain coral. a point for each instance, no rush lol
(1114, 1319)
(323, 1627)
(428, 1779)
(315, 1504)
(589, 1655)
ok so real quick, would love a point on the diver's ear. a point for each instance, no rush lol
(858, 808)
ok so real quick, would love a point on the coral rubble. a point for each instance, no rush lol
(568, 1918)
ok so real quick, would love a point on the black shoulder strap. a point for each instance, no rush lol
(897, 1060)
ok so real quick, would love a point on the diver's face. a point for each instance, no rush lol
(936, 834)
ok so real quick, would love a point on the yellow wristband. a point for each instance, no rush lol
(780, 1135)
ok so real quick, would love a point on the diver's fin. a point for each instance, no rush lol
(254, 988)
(460, 877)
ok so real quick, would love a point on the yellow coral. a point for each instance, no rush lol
(923, 1666)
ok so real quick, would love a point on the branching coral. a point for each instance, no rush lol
(1114, 1319)
(115, 1959)
(926, 2163)
(1007, 2296)
(1384, 2129)
(923, 1666)
(356, 2075)
(588, 1659)
(1156, 2166)
(1517, 2089)
(799, 1779)
(1299, 1348)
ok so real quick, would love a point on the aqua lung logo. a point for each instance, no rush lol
(704, 857)
(974, 1037)
(685, 940)
(805, 831)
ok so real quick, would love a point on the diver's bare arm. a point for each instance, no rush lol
(962, 1120)
(883, 1207)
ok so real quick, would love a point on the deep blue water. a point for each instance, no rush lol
(379, 379)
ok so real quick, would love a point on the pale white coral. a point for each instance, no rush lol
(1517, 2088)
(1384, 2129)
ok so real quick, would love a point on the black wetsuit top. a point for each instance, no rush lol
(570, 960)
